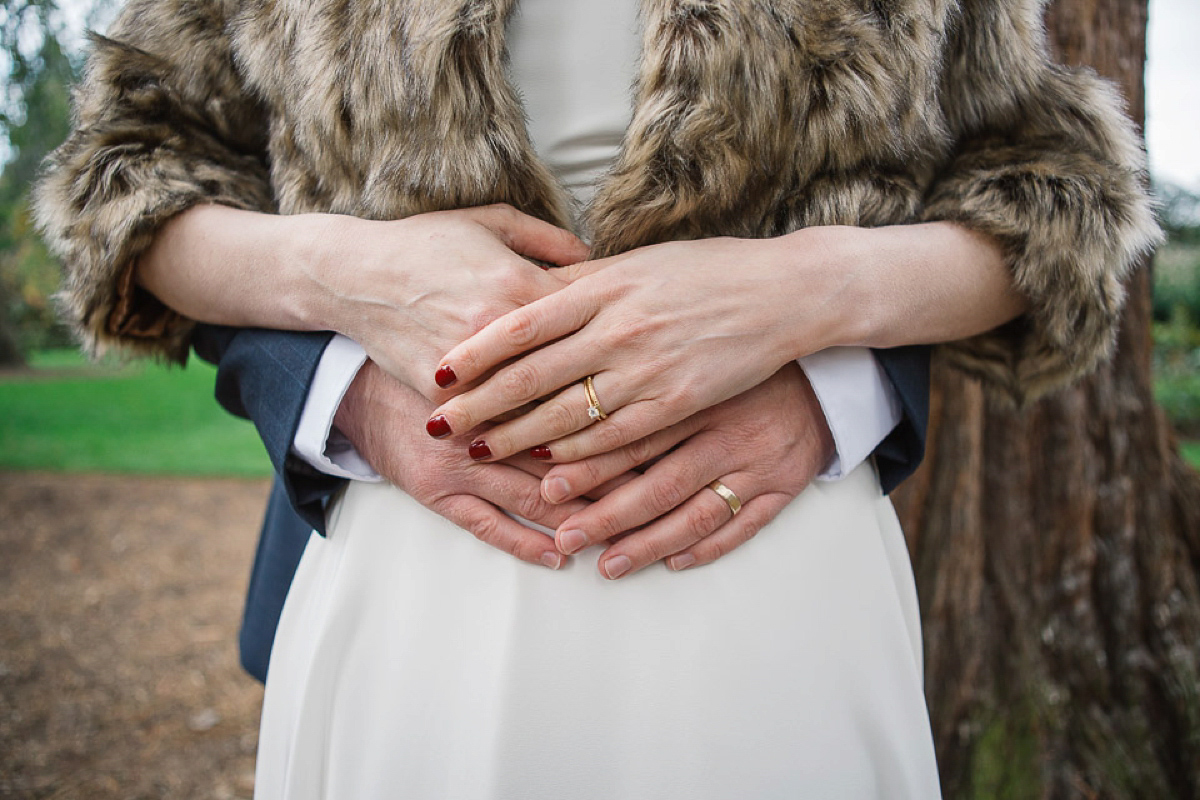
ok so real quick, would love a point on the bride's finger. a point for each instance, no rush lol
(565, 413)
(575, 479)
(665, 486)
(628, 424)
(704, 513)
(531, 378)
(753, 517)
(522, 329)
(493, 527)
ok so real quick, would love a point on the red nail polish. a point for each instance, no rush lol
(438, 427)
(479, 450)
(445, 377)
(541, 453)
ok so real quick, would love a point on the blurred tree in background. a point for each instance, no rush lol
(35, 116)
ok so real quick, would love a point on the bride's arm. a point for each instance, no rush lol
(384, 284)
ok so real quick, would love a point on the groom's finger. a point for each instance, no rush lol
(518, 492)
(577, 478)
(742, 528)
(667, 485)
(703, 514)
(493, 527)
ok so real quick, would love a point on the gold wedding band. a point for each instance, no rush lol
(595, 412)
(726, 494)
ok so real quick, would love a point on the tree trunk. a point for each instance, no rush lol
(1057, 554)
(10, 350)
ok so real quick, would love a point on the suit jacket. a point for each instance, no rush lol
(749, 120)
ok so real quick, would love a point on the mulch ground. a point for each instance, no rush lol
(120, 600)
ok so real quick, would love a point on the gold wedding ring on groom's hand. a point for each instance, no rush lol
(726, 494)
(595, 412)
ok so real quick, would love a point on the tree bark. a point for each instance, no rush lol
(1057, 553)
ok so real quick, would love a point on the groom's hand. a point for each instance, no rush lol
(385, 421)
(765, 445)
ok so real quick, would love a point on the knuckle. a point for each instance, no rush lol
(520, 383)
(487, 530)
(606, 525)
(641, 451)
(648, 551)
(559, 418)
(531, 507)
(665, 495)
(520, 329)
(479, 317)
(720, 548)
(610, 435)
(593, 473)
(703, 521)
(684, 396)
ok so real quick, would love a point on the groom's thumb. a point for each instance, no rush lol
(533, 238)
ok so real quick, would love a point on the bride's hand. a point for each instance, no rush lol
(666, 331)
(381, 418)
(764, 445)
(408, 290)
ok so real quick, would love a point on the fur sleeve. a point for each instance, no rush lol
(162, 123)
(1047, 163)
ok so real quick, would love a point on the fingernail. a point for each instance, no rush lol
(681, 561)
(556, 490)
(445, 376)
(571, 541)
(479, 450)
(616, 567)
(553, 560)
(438, 427)
(541, 453)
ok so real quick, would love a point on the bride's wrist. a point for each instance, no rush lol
(318, 250)
(823, 288)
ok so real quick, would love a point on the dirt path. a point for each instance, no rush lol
(120, 600)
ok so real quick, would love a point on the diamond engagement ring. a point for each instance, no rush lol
(595, 412)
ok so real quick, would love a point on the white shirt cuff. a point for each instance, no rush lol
(317, 441)
(859, 402)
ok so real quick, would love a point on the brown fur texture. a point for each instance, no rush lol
(751, 118)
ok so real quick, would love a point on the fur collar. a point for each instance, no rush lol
(750, 118)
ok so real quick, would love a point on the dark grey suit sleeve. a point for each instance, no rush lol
(899, 455)
(264, 376)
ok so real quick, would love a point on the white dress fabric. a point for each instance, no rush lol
(412, 661)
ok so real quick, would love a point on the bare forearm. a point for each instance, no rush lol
(910, 284)
(231, 267)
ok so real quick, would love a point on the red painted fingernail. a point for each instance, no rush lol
(438, 427)
(445, 377)
(479, 450)
(541, 453)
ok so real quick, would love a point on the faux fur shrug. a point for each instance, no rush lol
(751, 118)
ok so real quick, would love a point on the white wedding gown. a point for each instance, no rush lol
(412, 661)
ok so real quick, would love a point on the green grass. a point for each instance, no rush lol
(143, 418)
(1191, 452)
(68, 415)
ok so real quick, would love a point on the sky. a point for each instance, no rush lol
(1172, 87)
(1173, 91)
